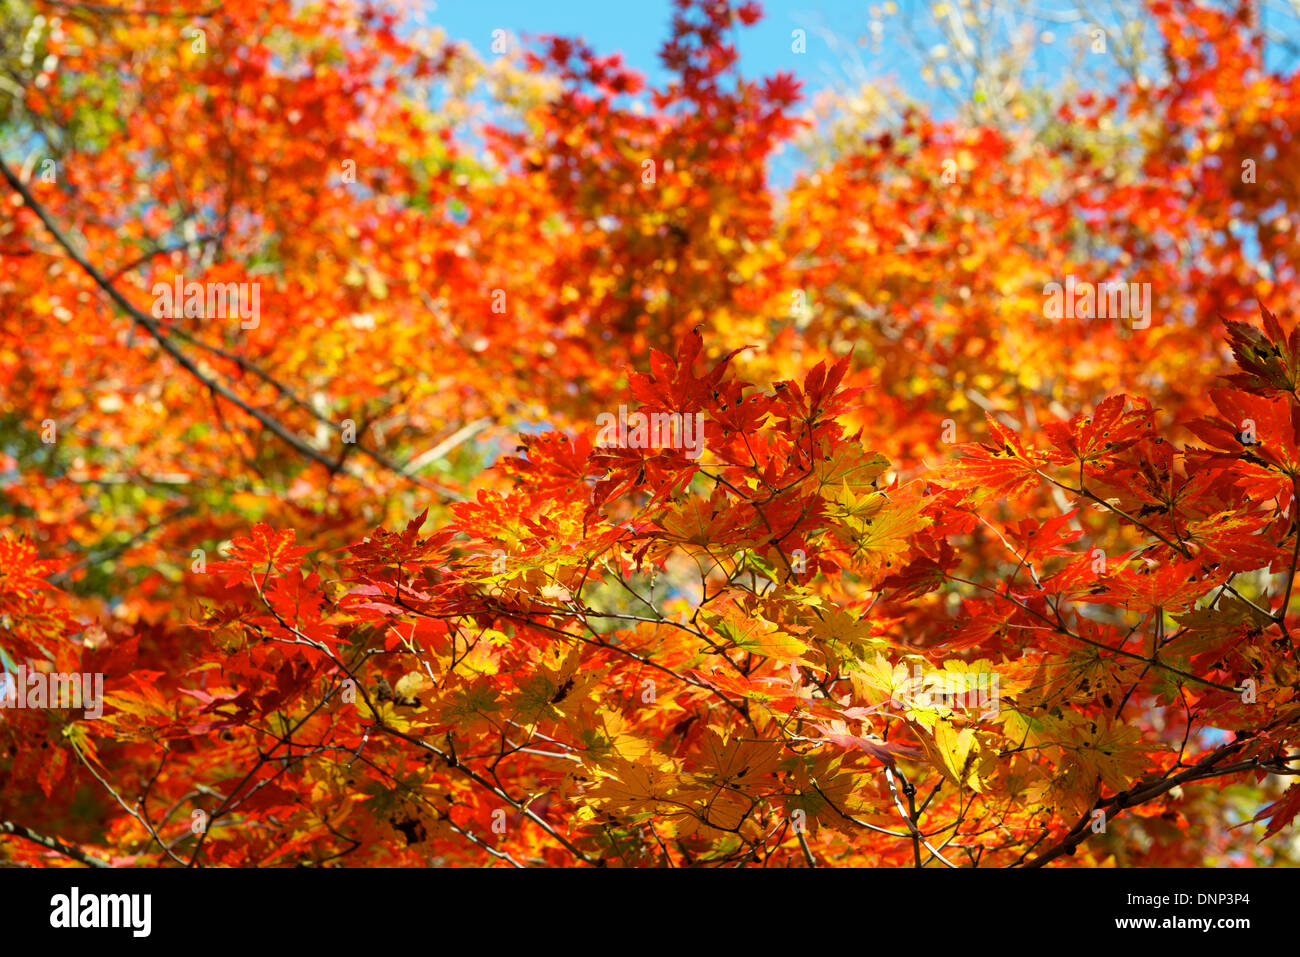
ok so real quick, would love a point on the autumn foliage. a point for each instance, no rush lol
(949, 583)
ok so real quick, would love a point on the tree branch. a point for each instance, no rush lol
(152, 326)
(52, 843)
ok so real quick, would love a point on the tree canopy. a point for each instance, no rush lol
(468, 459)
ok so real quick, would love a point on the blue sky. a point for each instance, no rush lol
(842, 52)
(638, 27)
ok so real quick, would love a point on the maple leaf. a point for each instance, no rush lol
(821, 794)
(1269, 359)
(1281, 812)
(629, 788)
(836, 733)
(844, 637)
(746, 633)
(1257, 429)
(736, 763)
(1109, 749)
(1095, 441)
(264, 549)
(1143, 584)
(1046, 538)
(957, 754)
(703, 523)
(849, 466)
(877, 530)
(672, 385)
(1003, 468)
